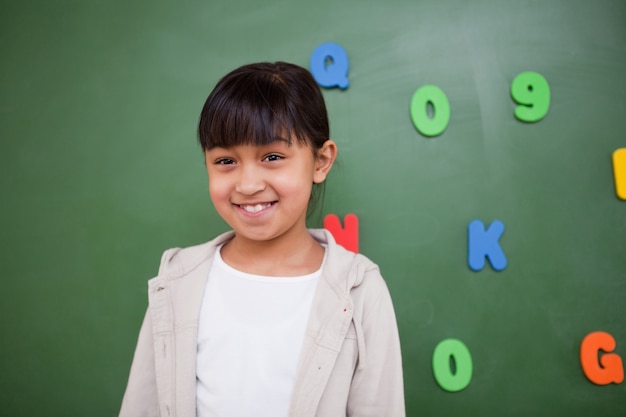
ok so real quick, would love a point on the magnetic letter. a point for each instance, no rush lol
(610, 369)
(329, 66)
(455, 350)
(433, 95)
(619, 171)
(484, 243)
(348, 237)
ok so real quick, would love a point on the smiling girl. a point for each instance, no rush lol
(270, 319)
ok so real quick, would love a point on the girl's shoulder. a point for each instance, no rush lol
(177, 262)
(346, 269)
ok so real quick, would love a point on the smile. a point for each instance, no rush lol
(255, 208)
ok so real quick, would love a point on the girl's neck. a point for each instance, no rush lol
(277, 258)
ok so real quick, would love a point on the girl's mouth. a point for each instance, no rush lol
(255, 208)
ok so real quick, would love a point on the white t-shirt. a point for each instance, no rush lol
(249, 340)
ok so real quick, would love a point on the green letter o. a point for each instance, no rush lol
(428, 126)
(455, 349)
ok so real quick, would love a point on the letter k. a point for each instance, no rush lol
(484, 243)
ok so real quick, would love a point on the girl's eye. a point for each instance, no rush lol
(224, 161)
(272, 157)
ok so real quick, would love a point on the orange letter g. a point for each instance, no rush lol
(610, 369)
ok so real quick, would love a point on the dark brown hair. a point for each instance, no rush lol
(257, 103)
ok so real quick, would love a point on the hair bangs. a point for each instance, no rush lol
(253, 111)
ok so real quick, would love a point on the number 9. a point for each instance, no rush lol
(531, 91)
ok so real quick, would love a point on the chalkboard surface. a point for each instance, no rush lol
(101, 172)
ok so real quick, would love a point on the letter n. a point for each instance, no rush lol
(347, 236)
(485, 244)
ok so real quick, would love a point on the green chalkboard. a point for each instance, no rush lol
(101, 172)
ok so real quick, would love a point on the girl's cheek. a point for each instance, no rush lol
(216, 190)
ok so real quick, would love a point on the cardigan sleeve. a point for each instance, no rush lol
(140, 398)
(377, 387)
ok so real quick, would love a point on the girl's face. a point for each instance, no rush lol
(263, 192)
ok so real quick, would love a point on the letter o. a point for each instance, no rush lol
(430, 126)
(445, 377)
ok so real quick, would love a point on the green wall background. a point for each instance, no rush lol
(101, 172)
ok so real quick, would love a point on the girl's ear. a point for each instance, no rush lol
(324, 162)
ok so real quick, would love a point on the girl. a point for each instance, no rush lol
(270, 319)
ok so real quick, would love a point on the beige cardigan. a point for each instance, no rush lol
(350, 363)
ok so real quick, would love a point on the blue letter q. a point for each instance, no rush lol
(329, 66)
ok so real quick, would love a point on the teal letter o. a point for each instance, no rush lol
(457, 351)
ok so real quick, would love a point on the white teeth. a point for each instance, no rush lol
(256, 208)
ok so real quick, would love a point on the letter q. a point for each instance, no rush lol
(329, 65)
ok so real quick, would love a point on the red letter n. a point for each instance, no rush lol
(347, 236)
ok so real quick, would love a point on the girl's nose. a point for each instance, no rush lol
(250, 181)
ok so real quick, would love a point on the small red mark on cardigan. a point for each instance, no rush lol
(345, 309)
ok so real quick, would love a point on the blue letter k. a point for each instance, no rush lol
(484, 243)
